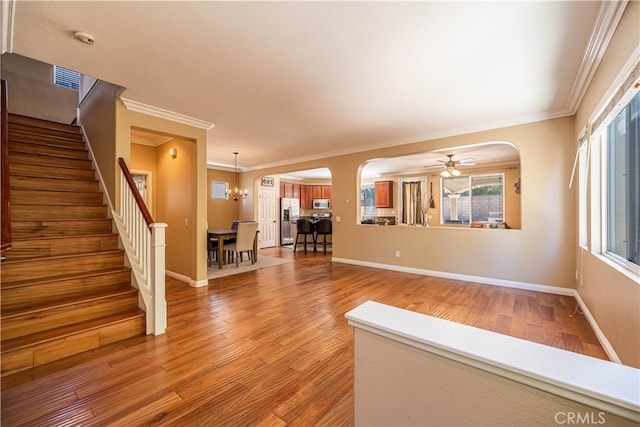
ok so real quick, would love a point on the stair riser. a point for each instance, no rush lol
(46, 197)
(47, 292)
(36, 269)
(47, 160)
(42, 248)
(31, 229)
(44, 171)
(19, 326)
(36, 355)
(54, 184)
(41, 123)
(30, 138)
(72, 136)
(51, 212)
(44, 149)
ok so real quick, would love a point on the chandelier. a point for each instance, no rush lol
(236, 194)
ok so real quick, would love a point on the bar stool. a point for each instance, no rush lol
(305, 228)
(324, 229)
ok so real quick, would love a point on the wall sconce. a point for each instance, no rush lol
(173, 152)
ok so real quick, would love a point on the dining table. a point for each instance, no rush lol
(223, 234)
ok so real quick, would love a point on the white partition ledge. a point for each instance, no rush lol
(596, 383)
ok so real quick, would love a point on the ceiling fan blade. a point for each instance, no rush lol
(469, 161)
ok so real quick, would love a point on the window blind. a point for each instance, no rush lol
(65, 77)
(632, 80)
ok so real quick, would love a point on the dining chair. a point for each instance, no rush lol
(212, 250)
(244, 241)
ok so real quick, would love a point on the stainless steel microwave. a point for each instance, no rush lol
(321, 203)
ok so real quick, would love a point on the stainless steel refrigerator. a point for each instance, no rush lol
(289, 214)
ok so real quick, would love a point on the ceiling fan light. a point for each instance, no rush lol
(455, 172)
(445, 173)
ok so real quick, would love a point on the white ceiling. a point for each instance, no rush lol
(291, 81)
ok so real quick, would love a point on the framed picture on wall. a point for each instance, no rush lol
(267, 181)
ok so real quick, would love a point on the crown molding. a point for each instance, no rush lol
(446, 133)
(607, 21)
(139, 107)
(144, 141)
(7, 14)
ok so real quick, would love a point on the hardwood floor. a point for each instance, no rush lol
(269, 347)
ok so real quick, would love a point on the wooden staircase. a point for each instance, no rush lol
(64, 285)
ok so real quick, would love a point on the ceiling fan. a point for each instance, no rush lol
(449, 166)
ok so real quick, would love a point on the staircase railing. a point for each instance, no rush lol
(4, 185)
(144, 242)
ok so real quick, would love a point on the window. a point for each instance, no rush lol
(477, 198)
(623, 183)
(219, 189)
(66, 78)
(367, 199)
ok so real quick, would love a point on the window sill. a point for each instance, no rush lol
(629, 270)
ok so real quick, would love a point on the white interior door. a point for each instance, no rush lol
(268, 210)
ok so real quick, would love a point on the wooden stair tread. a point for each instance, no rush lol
(42, 123)
(77, 153)
(10, 263)
(67, 302)
(58, 220)
(57, 190)
(72, 132)
(62, 277)
(44, 164)
(65, 237)
(43, 337)
(18, 137)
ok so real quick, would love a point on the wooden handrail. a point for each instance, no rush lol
(136, 193)
(4, 185)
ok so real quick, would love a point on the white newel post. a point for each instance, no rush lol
(157, 323)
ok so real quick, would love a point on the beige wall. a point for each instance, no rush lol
(179, 190)
(32, 92)
(97, 115)
(396, 384)
(612, 297)
(176, 203)
(539, 253)
(221, 213)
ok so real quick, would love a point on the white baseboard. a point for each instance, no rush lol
(467, 278)
(187, 279)
(604, 342)
(606, 345)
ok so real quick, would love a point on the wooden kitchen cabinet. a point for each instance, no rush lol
(306, 197)
(326, 192)
(317, 191)
(384, 194)
(296, 191)
(288, 190)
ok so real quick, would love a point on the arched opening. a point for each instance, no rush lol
(476, 186)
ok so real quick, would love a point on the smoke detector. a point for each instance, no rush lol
(85, 37)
